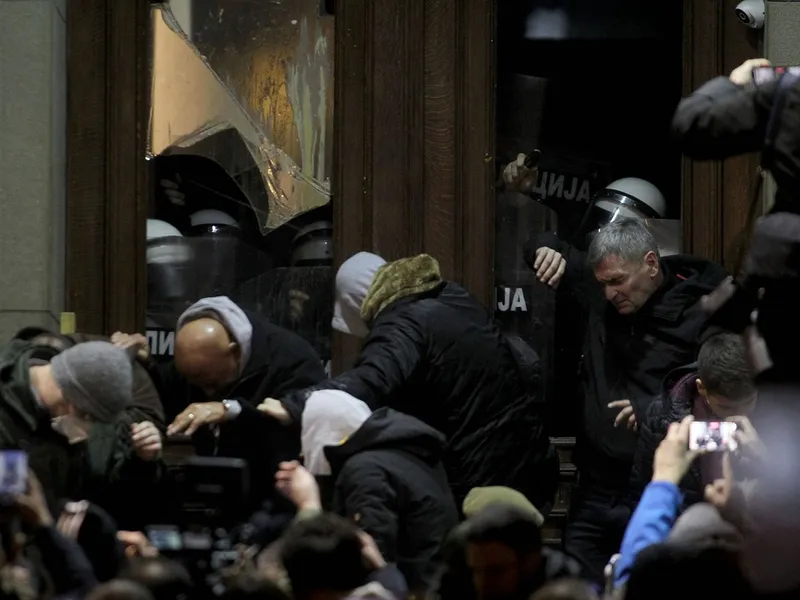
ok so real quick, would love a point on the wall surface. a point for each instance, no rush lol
(782, 47)
(32, 162)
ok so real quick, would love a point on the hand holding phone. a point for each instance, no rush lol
(13, 473)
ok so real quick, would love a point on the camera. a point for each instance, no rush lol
(751, 13)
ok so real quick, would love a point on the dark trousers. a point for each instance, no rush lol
(598, 516)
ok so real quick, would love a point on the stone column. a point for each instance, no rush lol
(32, 162)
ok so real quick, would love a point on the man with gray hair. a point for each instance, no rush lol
(49, 401)
(643, 319)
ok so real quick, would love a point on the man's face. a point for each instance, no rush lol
(725, 408)
(496, 570)
(628, 285)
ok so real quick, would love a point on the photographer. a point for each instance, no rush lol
(726, 117)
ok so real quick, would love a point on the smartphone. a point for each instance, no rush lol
(13, 473)
(762, 75)
(712, 436)
(166, 538)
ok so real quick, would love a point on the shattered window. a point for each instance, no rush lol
(248, 85)
(239, 146)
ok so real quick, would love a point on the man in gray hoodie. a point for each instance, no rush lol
(227, 361)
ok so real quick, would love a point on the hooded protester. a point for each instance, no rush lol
(433, 352)
(50, 401)
(124, 457)
(388, 475)
(227, 361)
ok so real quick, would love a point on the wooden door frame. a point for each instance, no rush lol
(716, 194)
(107, 175)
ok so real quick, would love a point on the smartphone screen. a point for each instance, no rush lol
(712, 436)
(13, 472)
(165, 538)
(762, 75)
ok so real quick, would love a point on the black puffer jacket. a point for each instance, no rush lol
(678, 394)
(627, 357)
(721, 119)
(677, 401)
(439, 357)
(390, 480)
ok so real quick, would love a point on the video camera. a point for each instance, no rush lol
(208, 496)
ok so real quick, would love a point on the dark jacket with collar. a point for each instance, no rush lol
(627, 357)
(439, 357)
(677, 401)
(678, 395)
(390, 480)
(280, 362)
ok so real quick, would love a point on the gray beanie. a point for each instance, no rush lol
(96, 378)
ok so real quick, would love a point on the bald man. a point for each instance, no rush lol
(227, 361)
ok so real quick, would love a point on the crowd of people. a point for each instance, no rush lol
(426, 470)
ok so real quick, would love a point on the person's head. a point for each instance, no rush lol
(353, 280)
(253, 586)
(323, 556)
(207, 355)
(504, 546)
(677, 570)
(166, 579)
(329, 418)
(90, 382)
(625, 260)
(566, 589)
(724, 379)
(119, 589)
(40, 336)
(97, 537)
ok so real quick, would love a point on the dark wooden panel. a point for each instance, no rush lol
(106, 172)
(739, 174)
(126, 181)
(390, 186)
(86, 173)
(475, 118)
(351, 146)
(439, 153)
(702, 181)
(716, 195)
(414, 130)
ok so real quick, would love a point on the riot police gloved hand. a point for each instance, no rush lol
(521, 175)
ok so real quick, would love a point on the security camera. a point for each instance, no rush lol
(751, 13)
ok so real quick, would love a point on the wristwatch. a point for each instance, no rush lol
(232, 409)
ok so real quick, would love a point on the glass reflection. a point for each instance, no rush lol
(248, 85)
(240, 150)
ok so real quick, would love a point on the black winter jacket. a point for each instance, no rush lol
(280, 362)
(626, 357)
(675, 403)
(391, 481)
(439, 357)
(721, 119)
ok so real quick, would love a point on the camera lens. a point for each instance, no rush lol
(742, 16)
